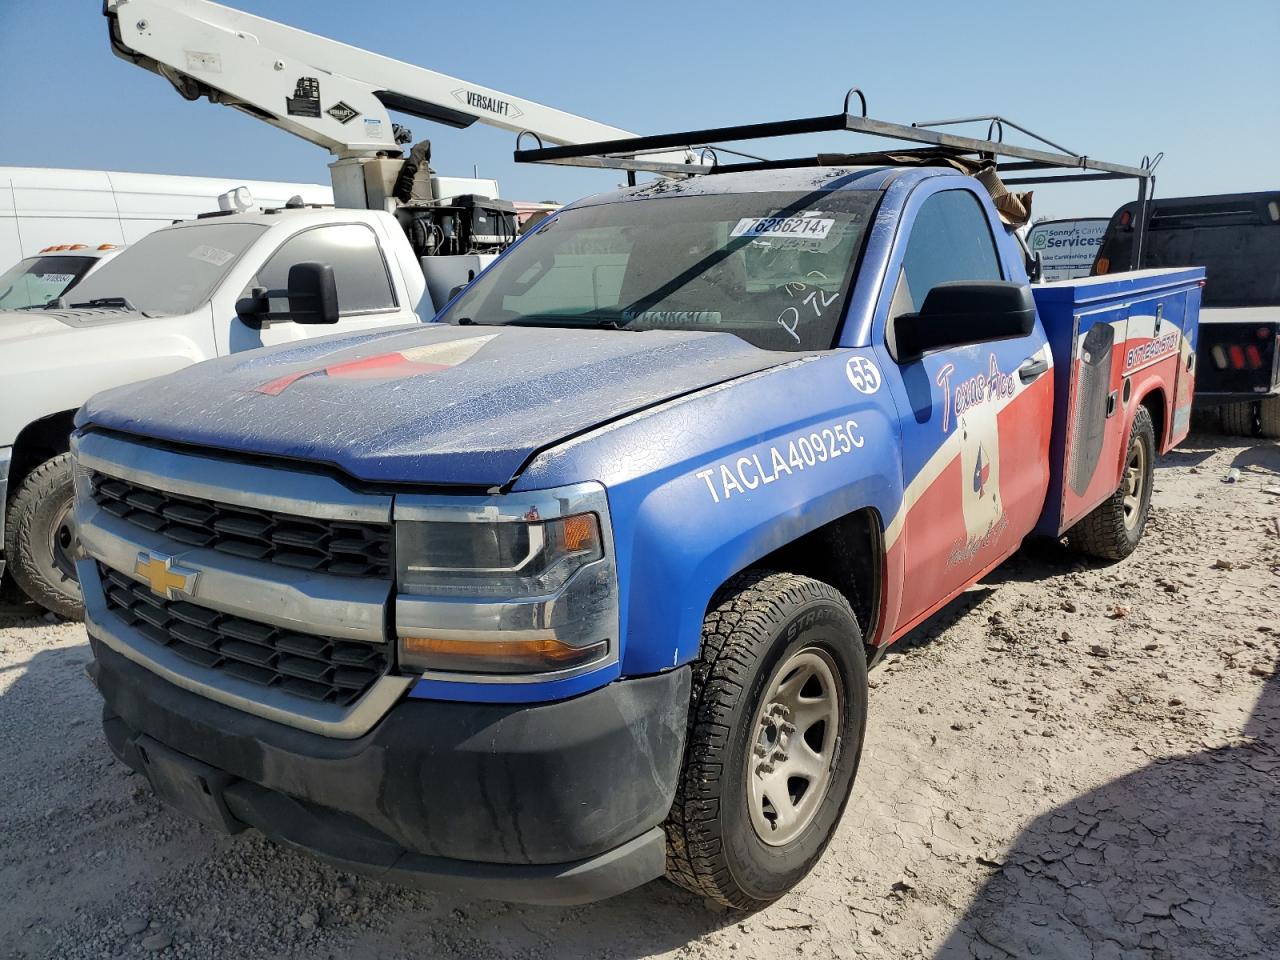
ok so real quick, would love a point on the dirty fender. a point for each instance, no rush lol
(690, 511)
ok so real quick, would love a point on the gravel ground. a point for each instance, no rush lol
(1074, 760)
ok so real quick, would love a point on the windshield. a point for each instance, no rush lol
(771, 268)
(35, 281)
(171, 271)
(1235, 238)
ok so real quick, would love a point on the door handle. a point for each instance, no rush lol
(1032, 368)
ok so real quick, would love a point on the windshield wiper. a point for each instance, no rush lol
(100, 302)
(548, 320)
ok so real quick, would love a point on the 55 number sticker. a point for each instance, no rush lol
(863, 374)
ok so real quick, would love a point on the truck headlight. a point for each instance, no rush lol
(496, 559)
(512, 588)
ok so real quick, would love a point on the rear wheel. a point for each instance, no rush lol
(1269, 417)
(775, 734)
(1239, 419)
(1115, 526)
(39, 539)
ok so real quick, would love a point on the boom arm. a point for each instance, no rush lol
(330, 93)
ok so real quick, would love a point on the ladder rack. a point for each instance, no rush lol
(636, 154)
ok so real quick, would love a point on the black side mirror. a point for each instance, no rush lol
(254, 307)
(313, 293)
(964, 312)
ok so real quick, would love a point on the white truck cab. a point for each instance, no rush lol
(34, 281)
(168, 301)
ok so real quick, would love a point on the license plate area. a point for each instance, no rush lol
(188, 785)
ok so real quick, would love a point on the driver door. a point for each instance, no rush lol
(366, 296)
(975, 419)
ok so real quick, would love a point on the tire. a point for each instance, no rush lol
(38, 542)
(1114, 528)
(765, 628)
(1238, 419)
(1269, 418)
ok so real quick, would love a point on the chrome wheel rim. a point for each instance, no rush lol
(1135, 475)
(62, 542)
(792, 751)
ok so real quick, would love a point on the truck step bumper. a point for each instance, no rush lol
(552, 803)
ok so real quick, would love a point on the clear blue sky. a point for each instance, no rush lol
(1117, 79)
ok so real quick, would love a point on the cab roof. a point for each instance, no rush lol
(784, 180)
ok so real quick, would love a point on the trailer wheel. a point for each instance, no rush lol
(1115, 526)
(1239, 419)
(39, 539)
(776, 724)
(1269, 417)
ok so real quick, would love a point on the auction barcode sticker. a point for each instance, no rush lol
(806, 226)
(213, 255)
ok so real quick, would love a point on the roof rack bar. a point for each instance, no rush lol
(623, 153)
(971, 145)
(689, 140)
(996, 122)
(1026, 165)
(1067, 178)
(630, 164)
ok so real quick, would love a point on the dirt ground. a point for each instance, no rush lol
(1074, 760)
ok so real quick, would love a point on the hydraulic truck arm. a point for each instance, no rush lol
(332, 94)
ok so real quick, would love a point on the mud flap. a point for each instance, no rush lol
(188, 785)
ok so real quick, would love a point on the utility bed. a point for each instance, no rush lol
(1112, 335)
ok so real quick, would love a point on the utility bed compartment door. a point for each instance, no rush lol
(1116, 340)
(1095, 421)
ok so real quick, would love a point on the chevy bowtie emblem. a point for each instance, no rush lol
(164, 577)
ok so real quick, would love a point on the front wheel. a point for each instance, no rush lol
(775, 734)
(1115, 526)
(39, 539)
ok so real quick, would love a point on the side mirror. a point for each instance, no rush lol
(964, 312)
(255, 306)
(313, 293)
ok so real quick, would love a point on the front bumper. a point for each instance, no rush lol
(6, 458)
(547, 803)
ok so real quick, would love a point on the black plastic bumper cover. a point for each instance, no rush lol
(550, 803)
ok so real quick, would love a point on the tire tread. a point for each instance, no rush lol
(1101, 532)
(737, 631)
(21, 538)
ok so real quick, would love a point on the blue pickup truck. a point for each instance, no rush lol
(579, 585)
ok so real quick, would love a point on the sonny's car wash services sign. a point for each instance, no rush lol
(1067, 247)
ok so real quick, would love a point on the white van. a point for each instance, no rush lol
(42, 206)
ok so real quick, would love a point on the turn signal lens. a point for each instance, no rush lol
(581, 533)
(1104, 265)
(451, 655)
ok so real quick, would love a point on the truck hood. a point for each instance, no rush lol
(18, 325)
(435, 404)
(24, 324)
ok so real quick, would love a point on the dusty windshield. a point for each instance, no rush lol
(772, 268)
(168, 272)
(35, 281)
